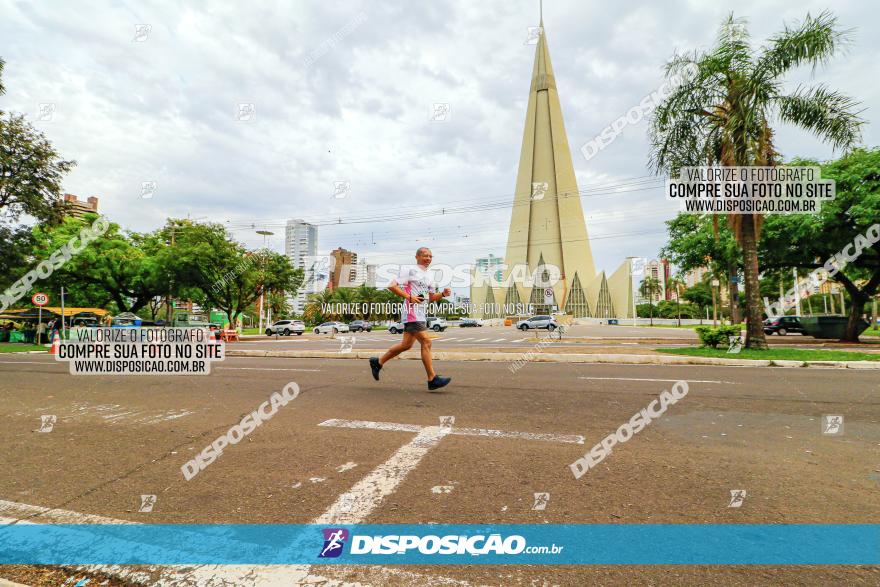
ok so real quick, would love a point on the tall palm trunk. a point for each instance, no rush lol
(733, 293)
(755, 328)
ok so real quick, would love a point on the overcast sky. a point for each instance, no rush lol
(344, 91)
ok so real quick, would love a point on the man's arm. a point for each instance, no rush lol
(434, 297)
(396, 290)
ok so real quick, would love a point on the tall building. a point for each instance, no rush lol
(301, 247)
(490, 266)
(345, 271)
(371, 275)
(658, 270)
(548, 234)
(77, 208)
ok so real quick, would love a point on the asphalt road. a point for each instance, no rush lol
(752, 429)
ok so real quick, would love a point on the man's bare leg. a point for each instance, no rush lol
(425, 341)
(401, 347)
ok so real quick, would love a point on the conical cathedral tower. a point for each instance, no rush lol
(548, 234)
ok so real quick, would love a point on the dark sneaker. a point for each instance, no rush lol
(375, 367)
(437, 382)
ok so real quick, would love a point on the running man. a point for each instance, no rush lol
(415, 286)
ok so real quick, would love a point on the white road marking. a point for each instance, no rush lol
(363, 424)
(500, 340)
(30, 363)
(662, 380)
(353, 506)
(372, 425)
(468, 338)
(481, 340)
(212, 575)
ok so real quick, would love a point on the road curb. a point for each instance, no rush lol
(562, 358)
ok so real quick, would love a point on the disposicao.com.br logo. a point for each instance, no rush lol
(452, 544)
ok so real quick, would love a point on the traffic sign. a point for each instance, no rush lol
(40, 299)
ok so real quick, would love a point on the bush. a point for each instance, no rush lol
(713, 336)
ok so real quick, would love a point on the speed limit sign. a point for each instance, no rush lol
(40, 299)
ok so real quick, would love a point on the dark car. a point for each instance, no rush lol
(783, 325)
(360, 326)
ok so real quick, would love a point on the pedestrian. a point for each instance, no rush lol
(415, 286)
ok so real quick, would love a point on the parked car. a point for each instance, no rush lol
(360, 326)
(396, 328)
(286, 328)
(783, 325)
(469, 322)
(537, 322)
(437, 324)
(333, 327)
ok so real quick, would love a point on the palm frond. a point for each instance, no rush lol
(813, 41)
(829, 115)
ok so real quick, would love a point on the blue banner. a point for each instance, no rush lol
(545, 544)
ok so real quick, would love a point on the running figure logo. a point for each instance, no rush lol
(737, 497)
(147, 503)
(541, 501)
(735, 344)
(334, 541)
(47, 423)
(832, 424)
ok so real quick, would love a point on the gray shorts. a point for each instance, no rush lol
(413, 327)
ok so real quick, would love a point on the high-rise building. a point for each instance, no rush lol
(77, 208)
(301, 247)
(658, 270)
(490, 266)
(371, 275)
(548, 234)
(345, 272)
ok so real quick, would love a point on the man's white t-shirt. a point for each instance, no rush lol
(415, 280)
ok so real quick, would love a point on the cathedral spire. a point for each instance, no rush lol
(547, 219)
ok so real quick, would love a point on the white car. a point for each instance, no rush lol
(332, 327)
(286, 328)
(537, 322)
(437, 324)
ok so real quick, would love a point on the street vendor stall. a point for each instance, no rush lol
(25, 321)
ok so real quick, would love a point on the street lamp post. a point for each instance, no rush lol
(715, 284)
(265, 234)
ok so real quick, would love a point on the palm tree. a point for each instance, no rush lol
(721, 115)
(313, 312)
(649, 287)
(676, 284)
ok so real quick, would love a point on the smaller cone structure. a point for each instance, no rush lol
(56, 341)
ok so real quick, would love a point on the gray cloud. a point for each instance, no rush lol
(165, 109)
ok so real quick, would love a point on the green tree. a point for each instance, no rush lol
(699, 295)
(216, 272)
(649, 287)
(697, 241)
(676, 285)
(722, 115)
(118, 267)
(791, 240)
(16, 250)
(31, 172)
